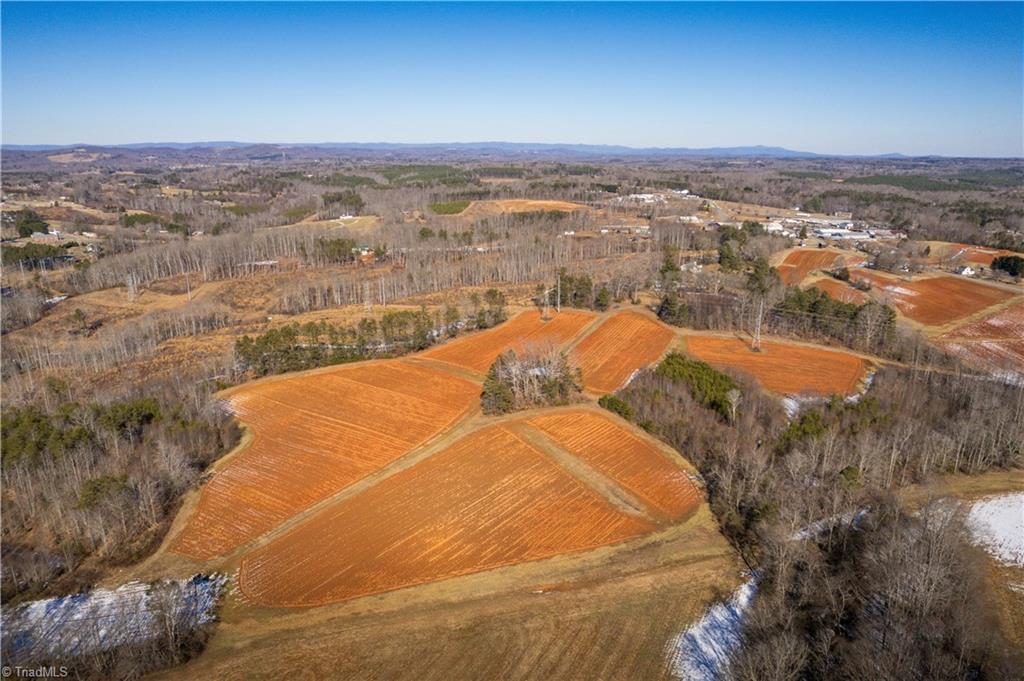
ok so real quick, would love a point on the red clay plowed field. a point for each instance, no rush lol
(840, 291)
(934, 301)
(489, 500)
(995, 343)
(1007, 323)
(634, 464)
(479, 350)
(1004, 356)
(623, 343)
(781, 367)
(315, 435)
(966, 253)
(799, 263)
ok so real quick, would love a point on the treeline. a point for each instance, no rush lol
(94, 484)
(811, 506)
(296, 347)
(102, 348)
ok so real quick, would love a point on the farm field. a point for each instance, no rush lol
(800, 262)
(839, 290)
(623, 343)
(783, 368)
(629, 460)
(944, 251)
(487, 501)
(1001, 355)
(314, 435)
(1007, 323)
(478, 351)
(933, 301)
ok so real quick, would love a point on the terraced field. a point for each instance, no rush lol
(490, 500)
(623, 343)
(315, 434)
(478, 351)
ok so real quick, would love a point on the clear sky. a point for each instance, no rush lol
(920, 78)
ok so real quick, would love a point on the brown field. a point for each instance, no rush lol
(933, 301)
(315, 434)
(1007, 323)
(479, 350)
(490, 500)
(623, 343)
(839, 290)
(800, 262)
(629, 460)
(783, 368)
(997, 354)
(943, 251)
(479, 209)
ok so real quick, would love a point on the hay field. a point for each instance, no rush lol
(315, 434)
(783, 368)
(800, 262)
(478, 351)
(490, 500)
(629, 460)
(933, 301)
(623, 343)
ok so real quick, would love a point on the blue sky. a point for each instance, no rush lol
(919, 78)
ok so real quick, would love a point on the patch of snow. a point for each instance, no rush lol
(103, 619)
(701, 653)
(998, 525)
(819, 526)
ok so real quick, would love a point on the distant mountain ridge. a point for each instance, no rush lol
(524, 148)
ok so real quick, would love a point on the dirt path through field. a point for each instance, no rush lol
(603, 485)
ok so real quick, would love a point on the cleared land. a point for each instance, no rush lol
(623, 343)
(489, 500)
(942, 252)
(315, 434)
(1008, 323)
(631, 461)
(479, 209)
(783, 368)
(478, 351)
(800, 262)
(839, 290)
(933, 301)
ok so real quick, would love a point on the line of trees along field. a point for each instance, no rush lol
(88, 485)
(887, 595)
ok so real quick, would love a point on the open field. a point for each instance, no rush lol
(946, 252)
(1007, 323)
(933, 301)
(540, 620)
(838, 290)
(623, 343)
(629, 460)
(478, 351)
(480, 209)
(800, 262)
(315, 434)
(783, 368)
(489, 500)
(1001, 355)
